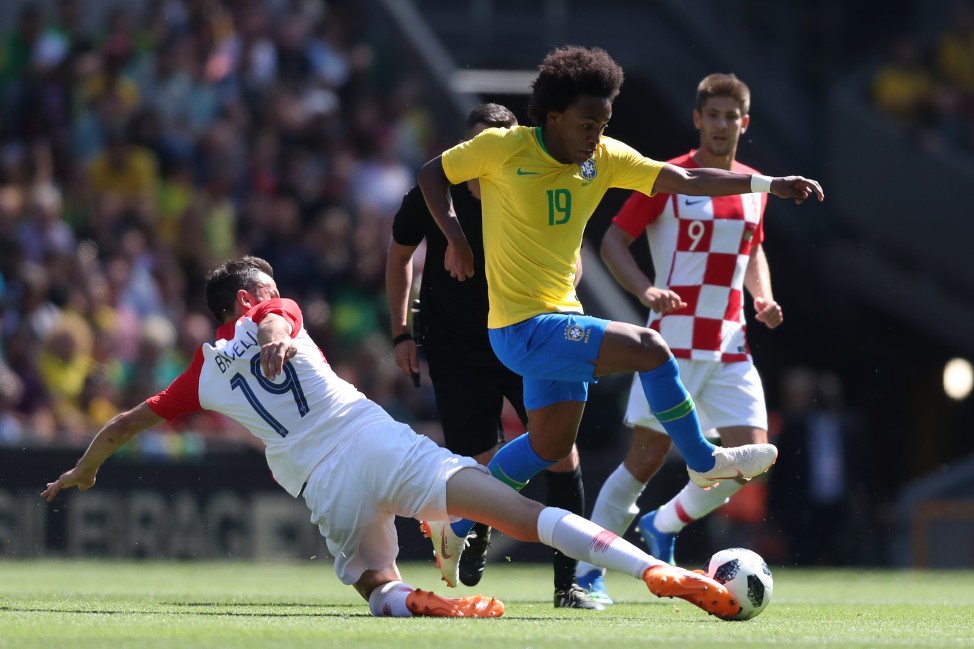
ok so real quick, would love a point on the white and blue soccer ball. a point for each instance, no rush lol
(746, 575)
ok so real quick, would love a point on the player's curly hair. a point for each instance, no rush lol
(571, 71)
(223, 282)
(724, 85)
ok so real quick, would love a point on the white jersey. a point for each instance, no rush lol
(302, 416)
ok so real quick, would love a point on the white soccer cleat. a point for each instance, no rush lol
(447, 547)
(736, 463)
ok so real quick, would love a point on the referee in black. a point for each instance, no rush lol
(469, 382)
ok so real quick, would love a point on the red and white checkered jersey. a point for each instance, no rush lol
(302, 415)
(700, 247)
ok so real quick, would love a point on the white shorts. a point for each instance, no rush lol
(725, 394)
(387, 470)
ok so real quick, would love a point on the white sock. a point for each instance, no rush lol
(389, 600)
(582, 539)
(693, 503)
(615, 508)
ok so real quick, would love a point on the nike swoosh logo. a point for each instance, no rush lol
(739, 476)
(697, 201)
(443, 552)
(522, 172)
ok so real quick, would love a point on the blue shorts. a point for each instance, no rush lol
(554, 352)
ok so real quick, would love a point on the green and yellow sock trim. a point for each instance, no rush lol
(678, 411)
(498, 473)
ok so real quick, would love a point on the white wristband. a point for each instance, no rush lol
(761, 184)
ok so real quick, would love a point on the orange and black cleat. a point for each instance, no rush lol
(700, 590)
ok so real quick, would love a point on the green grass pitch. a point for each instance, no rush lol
(48, 604)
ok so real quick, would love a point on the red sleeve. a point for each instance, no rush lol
(183, 394)
(282, 306)
(639, 211)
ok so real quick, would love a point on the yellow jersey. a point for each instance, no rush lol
(534, 213)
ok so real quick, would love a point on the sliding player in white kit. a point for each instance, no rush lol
(355, 466)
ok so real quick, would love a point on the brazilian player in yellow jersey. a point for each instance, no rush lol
(532, 241)
(539, 188)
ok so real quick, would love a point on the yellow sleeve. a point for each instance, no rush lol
(477, 157)
(633, 170)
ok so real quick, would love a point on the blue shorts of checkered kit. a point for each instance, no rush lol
(554, 352)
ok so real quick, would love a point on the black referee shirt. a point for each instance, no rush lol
(454, 313)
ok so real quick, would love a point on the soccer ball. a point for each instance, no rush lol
(746, 576)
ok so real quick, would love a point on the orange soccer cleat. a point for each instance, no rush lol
(426, 603)
(698, 589)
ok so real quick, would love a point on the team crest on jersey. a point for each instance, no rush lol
(588, 169)
(576, 333)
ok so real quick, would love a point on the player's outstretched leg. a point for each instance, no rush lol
(698, 589)
(674, 409)
(426, 603)
(583, 539)
(615, 508)
(447, 547)
(473, 494)
(737, 462)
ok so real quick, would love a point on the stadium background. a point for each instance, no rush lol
(290, 129)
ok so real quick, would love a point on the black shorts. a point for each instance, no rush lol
(470, 402)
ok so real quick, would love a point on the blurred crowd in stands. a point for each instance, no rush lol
(136, 156)
(927, 85)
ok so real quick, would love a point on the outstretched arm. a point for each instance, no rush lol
(109, 439)
(717, 182)
(458, 259)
